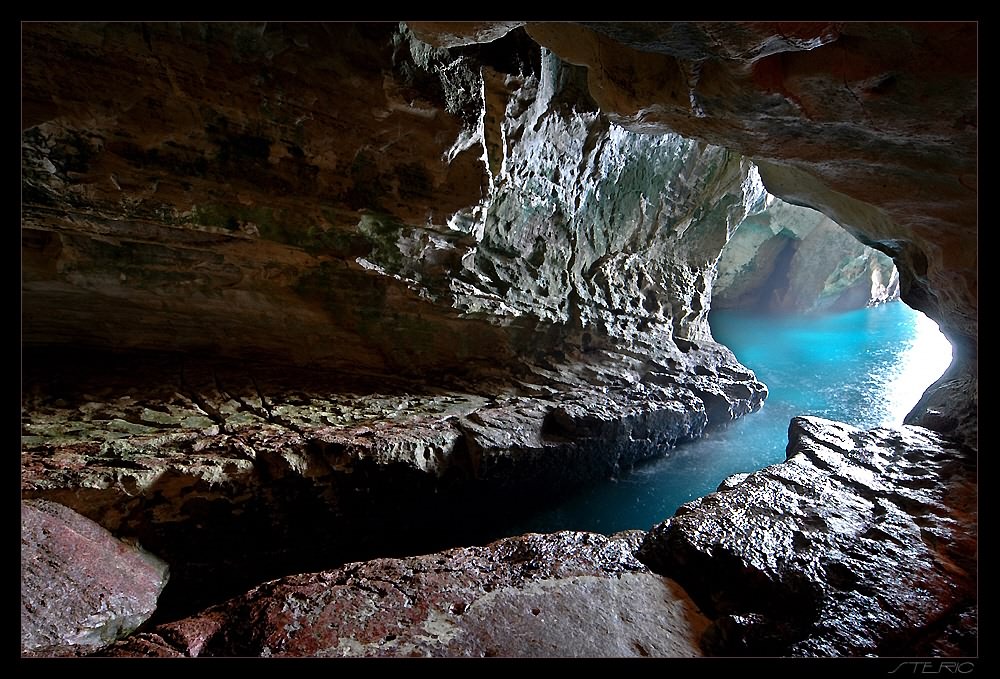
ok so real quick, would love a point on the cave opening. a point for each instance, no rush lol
(866, 367)
(298, 295)
(816, 315)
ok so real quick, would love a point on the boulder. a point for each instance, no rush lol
(81, 588)
(861, 543)
(560, 595)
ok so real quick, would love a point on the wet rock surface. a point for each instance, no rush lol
(237, 473)
(560, 595)
(281, 280)
(862, 542)
(81, 588)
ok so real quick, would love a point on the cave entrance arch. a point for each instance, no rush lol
(798, 270)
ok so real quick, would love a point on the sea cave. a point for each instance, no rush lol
(334, 335)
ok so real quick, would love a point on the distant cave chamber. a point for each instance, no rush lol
(301, 294)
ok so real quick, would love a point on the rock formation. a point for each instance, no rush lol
(794, 259)
(863, 542)
(873, 124)
(245, 177)
(559, 595)
(81, 589)
(282, 280)
(498, 286)
(316, 472)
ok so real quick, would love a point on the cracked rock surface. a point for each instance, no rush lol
(560, 595)
(81, 588)
(191, 458)
(862, 542)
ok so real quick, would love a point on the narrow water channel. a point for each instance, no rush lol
(867, 368)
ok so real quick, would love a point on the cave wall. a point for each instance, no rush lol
(282, 280)
(218, 187)
(347, 196)
(445, 202)
(438, 202)
(787, 258)
(872, 123)
(196, 187)
(448, 200)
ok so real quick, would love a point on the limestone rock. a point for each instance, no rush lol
(951, 405)
(350, 197)
(560, 595)
(872, 123)
(242, 212)
(862, 542)
(510, 248)
(81, 588)
(489, 191)
(458, 33)
(221, 187)
(793, 259)
(190, 458)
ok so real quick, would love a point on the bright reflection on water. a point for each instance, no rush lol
(867, 368)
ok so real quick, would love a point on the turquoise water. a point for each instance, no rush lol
(867, 368)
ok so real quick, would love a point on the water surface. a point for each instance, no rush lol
(867, 368)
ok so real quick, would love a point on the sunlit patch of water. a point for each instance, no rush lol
(867, 368)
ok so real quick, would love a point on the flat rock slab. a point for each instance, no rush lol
(566, 594)
(861, 542)
(81, 588)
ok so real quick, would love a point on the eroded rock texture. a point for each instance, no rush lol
(234, 477)
(873, 124)
(81, 588)
(346, 196)
(793, 259)
(279, 280)
(349, 198)
(862, 542)
(560, 595)
(486, 282)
